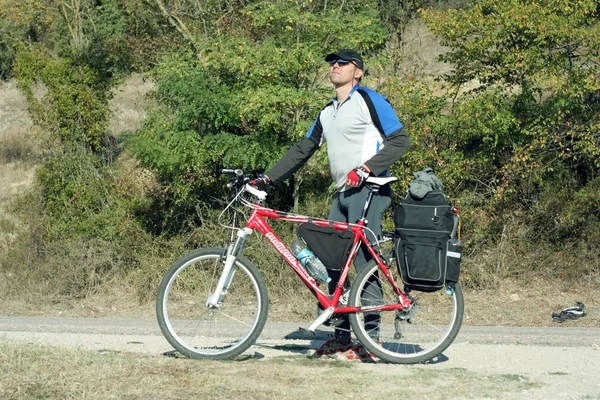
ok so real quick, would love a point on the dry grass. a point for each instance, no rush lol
(510, 303)
(531, 303)
(18, 151)
(129, 104)
(16, 146)
(36, 372)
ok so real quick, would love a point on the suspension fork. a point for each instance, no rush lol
(228, 271)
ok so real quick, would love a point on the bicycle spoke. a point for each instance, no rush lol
(415, 335)
(235, 319)
(202, 331)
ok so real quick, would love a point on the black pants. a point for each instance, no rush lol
(347, 207)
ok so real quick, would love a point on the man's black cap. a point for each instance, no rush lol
(348, 55)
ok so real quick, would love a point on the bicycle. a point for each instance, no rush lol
(212, 303)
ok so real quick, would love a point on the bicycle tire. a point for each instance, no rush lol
(404, 337)
(201, 332)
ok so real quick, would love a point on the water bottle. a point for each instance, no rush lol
(309, 261)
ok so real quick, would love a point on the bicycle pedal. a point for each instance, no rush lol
(305, 331)
(334, 321)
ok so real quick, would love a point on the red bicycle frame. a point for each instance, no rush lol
(257, 221)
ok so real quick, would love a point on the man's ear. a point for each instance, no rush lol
(358, 73)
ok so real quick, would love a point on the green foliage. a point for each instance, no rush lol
(199, 102)
(251, 90)
(20, 21)
(467, 142)
(544, 53)
(111, 36)
(517, 43)
(74, 106)
(529, 128)
(565, 209)
(8, 49)
(147, 34)
(27, 19)
(76, 193)
(94, 35)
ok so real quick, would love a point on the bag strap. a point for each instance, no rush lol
(311, 219)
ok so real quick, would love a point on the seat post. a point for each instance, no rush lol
(373, 184)
(373, 188)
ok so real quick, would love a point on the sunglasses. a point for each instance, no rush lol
(341, 63)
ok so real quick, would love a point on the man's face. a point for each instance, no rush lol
(342, 73)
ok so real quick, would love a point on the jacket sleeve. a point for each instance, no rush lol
(295, 158)
(396, 145)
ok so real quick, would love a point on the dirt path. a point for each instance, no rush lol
(560, 363)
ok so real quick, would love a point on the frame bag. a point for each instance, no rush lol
(428, 256)
(328, 244)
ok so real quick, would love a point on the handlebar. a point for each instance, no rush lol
(231, 171)
(240, 179)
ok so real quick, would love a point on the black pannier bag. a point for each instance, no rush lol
(422, 259)
(431, 212)
(428, 258)
(328, 244)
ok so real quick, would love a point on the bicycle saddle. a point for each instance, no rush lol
(381, 180)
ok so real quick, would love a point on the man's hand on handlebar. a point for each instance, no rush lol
(262, 182)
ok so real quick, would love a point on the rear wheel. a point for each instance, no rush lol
(223, 331)
(406, 337)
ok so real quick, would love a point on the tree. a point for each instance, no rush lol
(542, 58)
(247, 89)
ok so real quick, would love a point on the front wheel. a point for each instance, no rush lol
(198, 330)
(405, 337)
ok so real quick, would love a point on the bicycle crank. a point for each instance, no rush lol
(333, 321)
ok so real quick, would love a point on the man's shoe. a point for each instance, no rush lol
(330, 348)
(358, 352)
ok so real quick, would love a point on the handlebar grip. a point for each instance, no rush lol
(231, 171)
(254, 191)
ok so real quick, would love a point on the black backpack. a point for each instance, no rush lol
(428, 256)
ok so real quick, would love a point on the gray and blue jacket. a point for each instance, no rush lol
(363, 129)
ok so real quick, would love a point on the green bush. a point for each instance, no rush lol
(244, 100)
(75, 189)
(7, 50)
(74, 103)
(83, 230)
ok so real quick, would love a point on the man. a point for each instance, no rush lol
(364, 137)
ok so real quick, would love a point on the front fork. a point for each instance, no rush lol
(214, 300)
